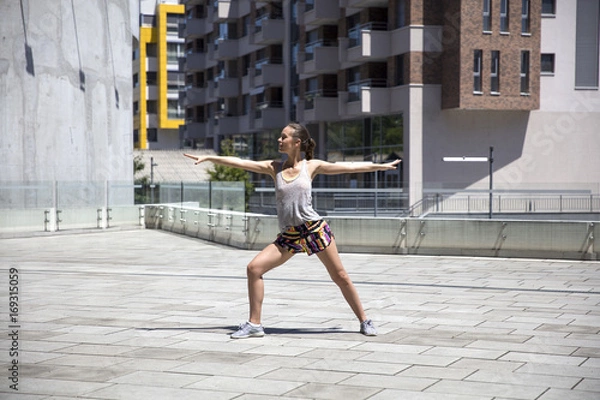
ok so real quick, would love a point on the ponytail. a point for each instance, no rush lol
(307, 143)
(309, 149)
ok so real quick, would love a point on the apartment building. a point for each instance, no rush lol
(420, 80)
(157, 80)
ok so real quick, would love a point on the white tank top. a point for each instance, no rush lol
(294, 199)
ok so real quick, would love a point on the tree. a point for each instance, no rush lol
(222, 173)
(138, 166)
(140, 194)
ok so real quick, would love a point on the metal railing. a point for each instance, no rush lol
(309, 97)
(505, 203)
(355, 88)
(309, 49)
(395, 202)
(354, 34)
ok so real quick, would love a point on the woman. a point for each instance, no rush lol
(302, 229)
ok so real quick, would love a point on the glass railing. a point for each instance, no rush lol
(309, 97)
(354, 34)
(60, 205)
(309, 49)
(355, 88)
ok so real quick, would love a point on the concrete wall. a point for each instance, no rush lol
(489, 238)
(537, 150)
(65, 90)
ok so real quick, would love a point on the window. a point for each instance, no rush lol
(309, 5)
(525, 72)
(152, 134)
(245, 104)
(245, 24)
(354, 30)
(353, 76)
(173, 24)
(477, 56)
(547, 64)
(400, 13)
(174, 110)
(245, 64)
(487, 15)
(495, 72)
(311, 92)
(151, 106)
(586, 44)
(174, 51)
(504, 16)
(548, 7)
(151, 50)
(311, 42)
(399, 73)
(525, 19)
(151, 78)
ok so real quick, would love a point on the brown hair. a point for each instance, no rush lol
(307, 143)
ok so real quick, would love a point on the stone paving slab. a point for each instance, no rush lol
(147, 314)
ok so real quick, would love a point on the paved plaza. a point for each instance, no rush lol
(144, 314)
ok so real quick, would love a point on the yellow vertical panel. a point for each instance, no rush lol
(163, 120)
(146, 36)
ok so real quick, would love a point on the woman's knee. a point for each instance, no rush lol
(254, 269)
(341, 278)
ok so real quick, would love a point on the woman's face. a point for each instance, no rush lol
(287, 141)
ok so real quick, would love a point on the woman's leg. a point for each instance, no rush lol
(331, 259)
(270, 257)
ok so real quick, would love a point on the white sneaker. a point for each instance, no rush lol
(246, 330)
(367, 328)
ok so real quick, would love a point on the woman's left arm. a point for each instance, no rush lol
(327, 168)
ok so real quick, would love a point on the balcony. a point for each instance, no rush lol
(320, 58)
(196, 27)
(227, 87)
(224, 10)
(196, 96)
(269, 115)
(369, 42)
(319, 105)
(368, 96)
(195, 62)
(268, 31)
(226, 49)
(268, 74)
(319, 12)
(227, 125)
(195, 129)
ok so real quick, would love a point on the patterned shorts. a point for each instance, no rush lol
(310, 237)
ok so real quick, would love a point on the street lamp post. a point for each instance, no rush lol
(152, 165)
(490, 161)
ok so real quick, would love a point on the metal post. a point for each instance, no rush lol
(376, 189)
(152, 165)
(491, 161)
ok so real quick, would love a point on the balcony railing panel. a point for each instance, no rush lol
(321, 57)
(227, 87)
(270, 74)
(271, 31)
(320, 12)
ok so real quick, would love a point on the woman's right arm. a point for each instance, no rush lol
(260, 167)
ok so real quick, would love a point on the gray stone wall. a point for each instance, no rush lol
(66, 91)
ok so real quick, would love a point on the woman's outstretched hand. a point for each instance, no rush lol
(392, 165)
(198, 159)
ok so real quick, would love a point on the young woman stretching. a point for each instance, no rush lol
(302, 229)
